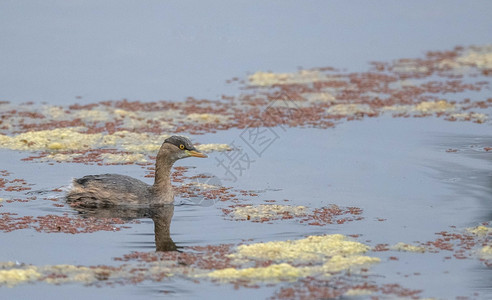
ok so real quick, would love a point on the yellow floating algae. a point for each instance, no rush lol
(202, 185)
(435, 106)
(207, 118)
(471, 116)
(213, 147)
(7, 264)
(93, 115)
(287, 272)
(319, 97)
(276, 272)
(135, 142)
(150, 148)
(312, 248)
(139, 143)
(59, 157)
(69, 273)
(399, 108)
(141, 119)
(55, 146)
(16, 276)
(339, 262)
(425, 107)
(70, 139)
(408, 248)
(117, 158)
(358, 292)
(350, 109)
(325, 255)
(130, 119)
(481, 59)
(480, 230)
(268, 211)
(56, 139)
(303, 76)
(60, 274)
(124, 113)
(486, 252)
(55, 112)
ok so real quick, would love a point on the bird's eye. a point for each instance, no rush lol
(181, 147)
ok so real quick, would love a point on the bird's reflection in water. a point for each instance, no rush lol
(160, 214)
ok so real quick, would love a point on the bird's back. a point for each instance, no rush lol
(109, 189)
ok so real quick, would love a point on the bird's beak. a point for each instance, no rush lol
(196, 153)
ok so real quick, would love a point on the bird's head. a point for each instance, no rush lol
(180, 147)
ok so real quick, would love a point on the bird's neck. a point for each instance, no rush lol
(163, 190)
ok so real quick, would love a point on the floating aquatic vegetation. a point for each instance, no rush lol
(486, 252)
(15, 276)
(202, 185)
(480, 230)
(73, 138)
(471, 116)
(323, 97)
(267, 212)
(425, 107)
(56, 139)
(112, 158)
(12, 274)
(316, 217)
(266, 262)
(65, 223)
(60, 157)
(214, 262)
(408, 248)
(435, 106)
(290, 260)
(464, 244)
(213, 147)
(70, 145)
(275, 272)
(287, 272)
(353, 292)
(319, 97)
(207, 118)
(310, 249)
(350, 109)
(479, 57)
(313, 288)
(300, 77)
